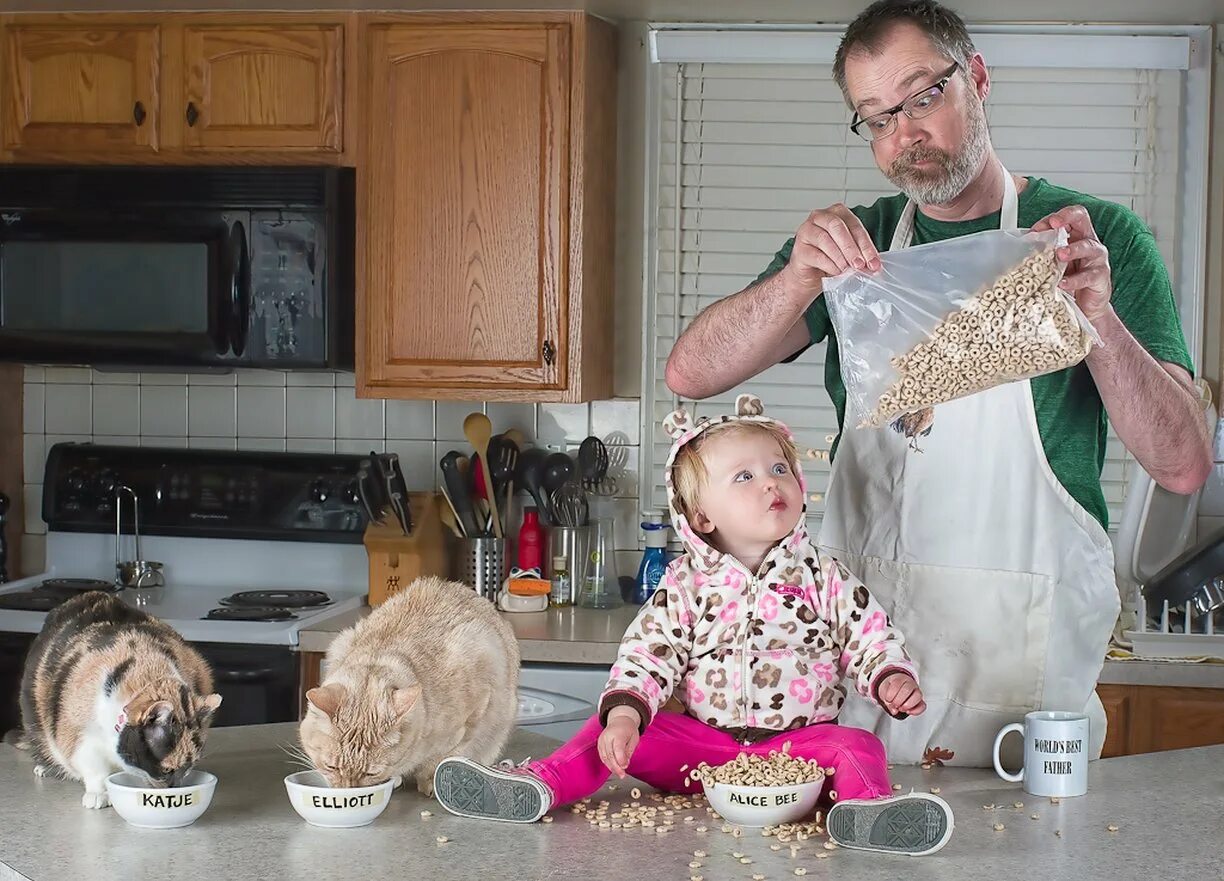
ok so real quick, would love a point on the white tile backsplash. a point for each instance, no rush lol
(410, 420)
(33, 406)
(116, 409)
(163, 410)
(616, 422)
(69, 410)
(299, 412)
(358, 417)
(561, 423)
(310, 412)
(261, 411)
(33, 455)
(212, 411)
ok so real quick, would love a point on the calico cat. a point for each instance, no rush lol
(108, 688)
(433, 672)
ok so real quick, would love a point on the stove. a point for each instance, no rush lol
(255, 547)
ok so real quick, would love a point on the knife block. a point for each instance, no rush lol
(396, 560)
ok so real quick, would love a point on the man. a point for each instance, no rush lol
(989, 547)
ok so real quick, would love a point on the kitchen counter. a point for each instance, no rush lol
(589, 636)
(1167, 807)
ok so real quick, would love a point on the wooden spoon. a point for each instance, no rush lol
(478, 429)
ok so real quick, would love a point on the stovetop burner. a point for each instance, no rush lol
(250, 613)
(80, 584)
(34, 600)
(285, 599)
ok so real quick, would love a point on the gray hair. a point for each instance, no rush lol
(945, 29)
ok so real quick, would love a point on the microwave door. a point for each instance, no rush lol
(101, 289)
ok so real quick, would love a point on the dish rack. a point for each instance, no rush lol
(1195, 635)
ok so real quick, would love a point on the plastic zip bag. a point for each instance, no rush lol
(942, 321)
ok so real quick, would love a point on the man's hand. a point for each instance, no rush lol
(1087, 277)
(899, 693)
(830, 242)
(619, 739)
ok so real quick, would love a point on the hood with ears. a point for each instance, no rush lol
(683, 430)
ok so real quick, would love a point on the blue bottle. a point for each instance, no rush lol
(654, 559)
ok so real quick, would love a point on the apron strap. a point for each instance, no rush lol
(1009, 216)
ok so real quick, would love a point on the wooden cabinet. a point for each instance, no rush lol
(486, 176)
(270, 87)
(1146, 719)
(174, 87)
(88, 88)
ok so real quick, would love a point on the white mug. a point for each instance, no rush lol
(1055, 753)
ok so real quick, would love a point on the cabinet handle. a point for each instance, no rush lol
(549, 352)
(192, 113)
(138, 113)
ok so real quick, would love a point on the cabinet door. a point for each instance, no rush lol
(76, 89)
(1180, 718)
(463, 198)
(1118, 702)
(254, 87)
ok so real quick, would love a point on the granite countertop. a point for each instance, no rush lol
(590, 636)
(1167, 807)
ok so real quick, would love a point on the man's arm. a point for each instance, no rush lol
(1153, 406)
(736, 338)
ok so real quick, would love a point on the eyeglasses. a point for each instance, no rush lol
(881, 125)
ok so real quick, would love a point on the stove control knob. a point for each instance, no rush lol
(350, 495)
(76, 480)
(105, 482)
(319, 492)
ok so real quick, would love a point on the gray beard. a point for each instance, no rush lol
(952, 173)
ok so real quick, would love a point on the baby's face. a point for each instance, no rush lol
(752, 495)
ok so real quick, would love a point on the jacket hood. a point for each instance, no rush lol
(683, 429)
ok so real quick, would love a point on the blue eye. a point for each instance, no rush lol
(742, 476)
(780, 468)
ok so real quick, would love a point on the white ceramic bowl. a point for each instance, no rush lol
(763, 805)
(167, 808)
(336, 808)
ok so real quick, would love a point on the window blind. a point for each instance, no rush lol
(744, 151)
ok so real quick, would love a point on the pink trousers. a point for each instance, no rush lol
(673, 740)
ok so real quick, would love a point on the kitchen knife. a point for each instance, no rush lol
(397, 489)
(460, 496)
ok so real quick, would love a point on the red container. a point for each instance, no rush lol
(531, 542)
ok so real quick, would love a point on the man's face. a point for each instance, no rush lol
(931, 159)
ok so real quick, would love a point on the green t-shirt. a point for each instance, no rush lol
(1071, 419)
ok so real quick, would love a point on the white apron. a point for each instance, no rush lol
(1002, 584)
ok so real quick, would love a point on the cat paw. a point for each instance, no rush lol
(397, 781)
(425, 786)
(95, 800)
(42, 771)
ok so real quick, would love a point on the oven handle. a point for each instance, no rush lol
(244, 674)
(239, 288)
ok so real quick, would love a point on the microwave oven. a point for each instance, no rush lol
(177, 267)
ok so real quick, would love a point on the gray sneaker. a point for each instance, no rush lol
(508, 793)
(915, 824)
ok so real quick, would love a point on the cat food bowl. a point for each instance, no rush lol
(151, 807)
(763, 805)
(336, 808)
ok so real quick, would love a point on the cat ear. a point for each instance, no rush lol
(748, 405)
(326, 699)
(158, 713)
(206, 706)
(404, 699)
(677, 423)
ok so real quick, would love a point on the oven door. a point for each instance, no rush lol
(257, 683)
(164, 288)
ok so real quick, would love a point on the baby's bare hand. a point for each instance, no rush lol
(617, 743)
(899, 693)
